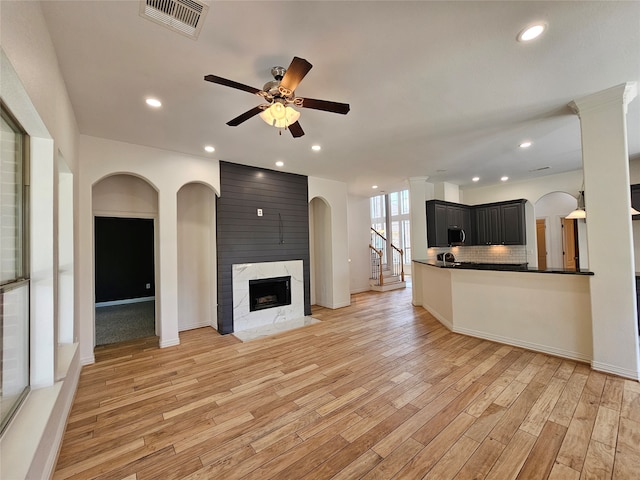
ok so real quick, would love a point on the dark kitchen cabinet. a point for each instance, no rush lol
(500, 223)
(635, 200)
(437, 224)
(488, 225)
(513, 223)
(443, 215)
(638, 297)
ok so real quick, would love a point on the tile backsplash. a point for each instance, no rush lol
(484, 253)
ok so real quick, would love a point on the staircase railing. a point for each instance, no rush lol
(379, 242)
(378, 248)
(376, 264)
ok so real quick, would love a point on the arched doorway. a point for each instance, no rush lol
(125, 211)
(561, 242)
(320, 241)
(197, 291)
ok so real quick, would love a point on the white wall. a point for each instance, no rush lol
(197, 280)
(33, 89)
(167, 172)
(419, 192)
(531, 190)
(335, 195)
(124, 196)
(359, 216)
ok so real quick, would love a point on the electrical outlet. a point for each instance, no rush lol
(148, 286)
(259, 212)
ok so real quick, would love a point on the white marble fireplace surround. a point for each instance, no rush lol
(243, 319)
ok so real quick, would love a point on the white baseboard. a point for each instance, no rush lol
(557, 352)
(193, 326)
(359, 290)
(89, 360)
(615, 370)
(169, 343)
(125, 301)
(341, 304)
(439, 317)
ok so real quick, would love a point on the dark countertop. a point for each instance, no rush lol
(500, 267)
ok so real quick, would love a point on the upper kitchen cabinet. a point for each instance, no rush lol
(443, 215)
(635, 199)
(500, 223)
(437, 230)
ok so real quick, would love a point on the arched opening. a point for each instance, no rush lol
(125, 213)
(561, 242)
(320, 252)
(197, 291)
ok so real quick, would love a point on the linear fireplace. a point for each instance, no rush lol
(262, 285)
(269, 293)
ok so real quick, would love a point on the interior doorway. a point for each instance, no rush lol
(124, 279)
(541, 240)
(570, 253)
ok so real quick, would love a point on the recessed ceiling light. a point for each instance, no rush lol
(374, 186)
(153, 102)
(525, 144)
(505, 178)
(475, 179)
(316, 148)
(279, 163)
(209, 149)
(531, 32)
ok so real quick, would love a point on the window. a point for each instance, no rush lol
(398, 223)
(14, 283)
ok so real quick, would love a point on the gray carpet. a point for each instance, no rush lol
(118, 323)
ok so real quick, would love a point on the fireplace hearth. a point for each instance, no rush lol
(269, 293)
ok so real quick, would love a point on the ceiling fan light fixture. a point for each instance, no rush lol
(279, 115)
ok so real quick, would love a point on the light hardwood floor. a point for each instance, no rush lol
(376, 390)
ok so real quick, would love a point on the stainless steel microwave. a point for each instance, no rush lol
(457, 236)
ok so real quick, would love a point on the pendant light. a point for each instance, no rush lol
(580, 211)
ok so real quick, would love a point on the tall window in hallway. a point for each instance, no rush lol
(390, 217)
(14, 274)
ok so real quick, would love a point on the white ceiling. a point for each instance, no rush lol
(437, 89)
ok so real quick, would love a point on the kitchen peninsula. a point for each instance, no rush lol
(543, 310)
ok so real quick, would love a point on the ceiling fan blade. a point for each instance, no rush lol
(231, 83)
(325, 105)
(296, 130)
(245, 116)
(298, 68)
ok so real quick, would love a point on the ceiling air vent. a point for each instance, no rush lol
(183, 16)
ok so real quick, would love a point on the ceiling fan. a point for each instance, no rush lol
(280, 94)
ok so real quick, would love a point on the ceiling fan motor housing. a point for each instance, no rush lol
(272, 89)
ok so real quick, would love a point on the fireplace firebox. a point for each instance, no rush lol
(269, 292)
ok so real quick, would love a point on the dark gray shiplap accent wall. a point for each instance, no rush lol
(243, 237)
